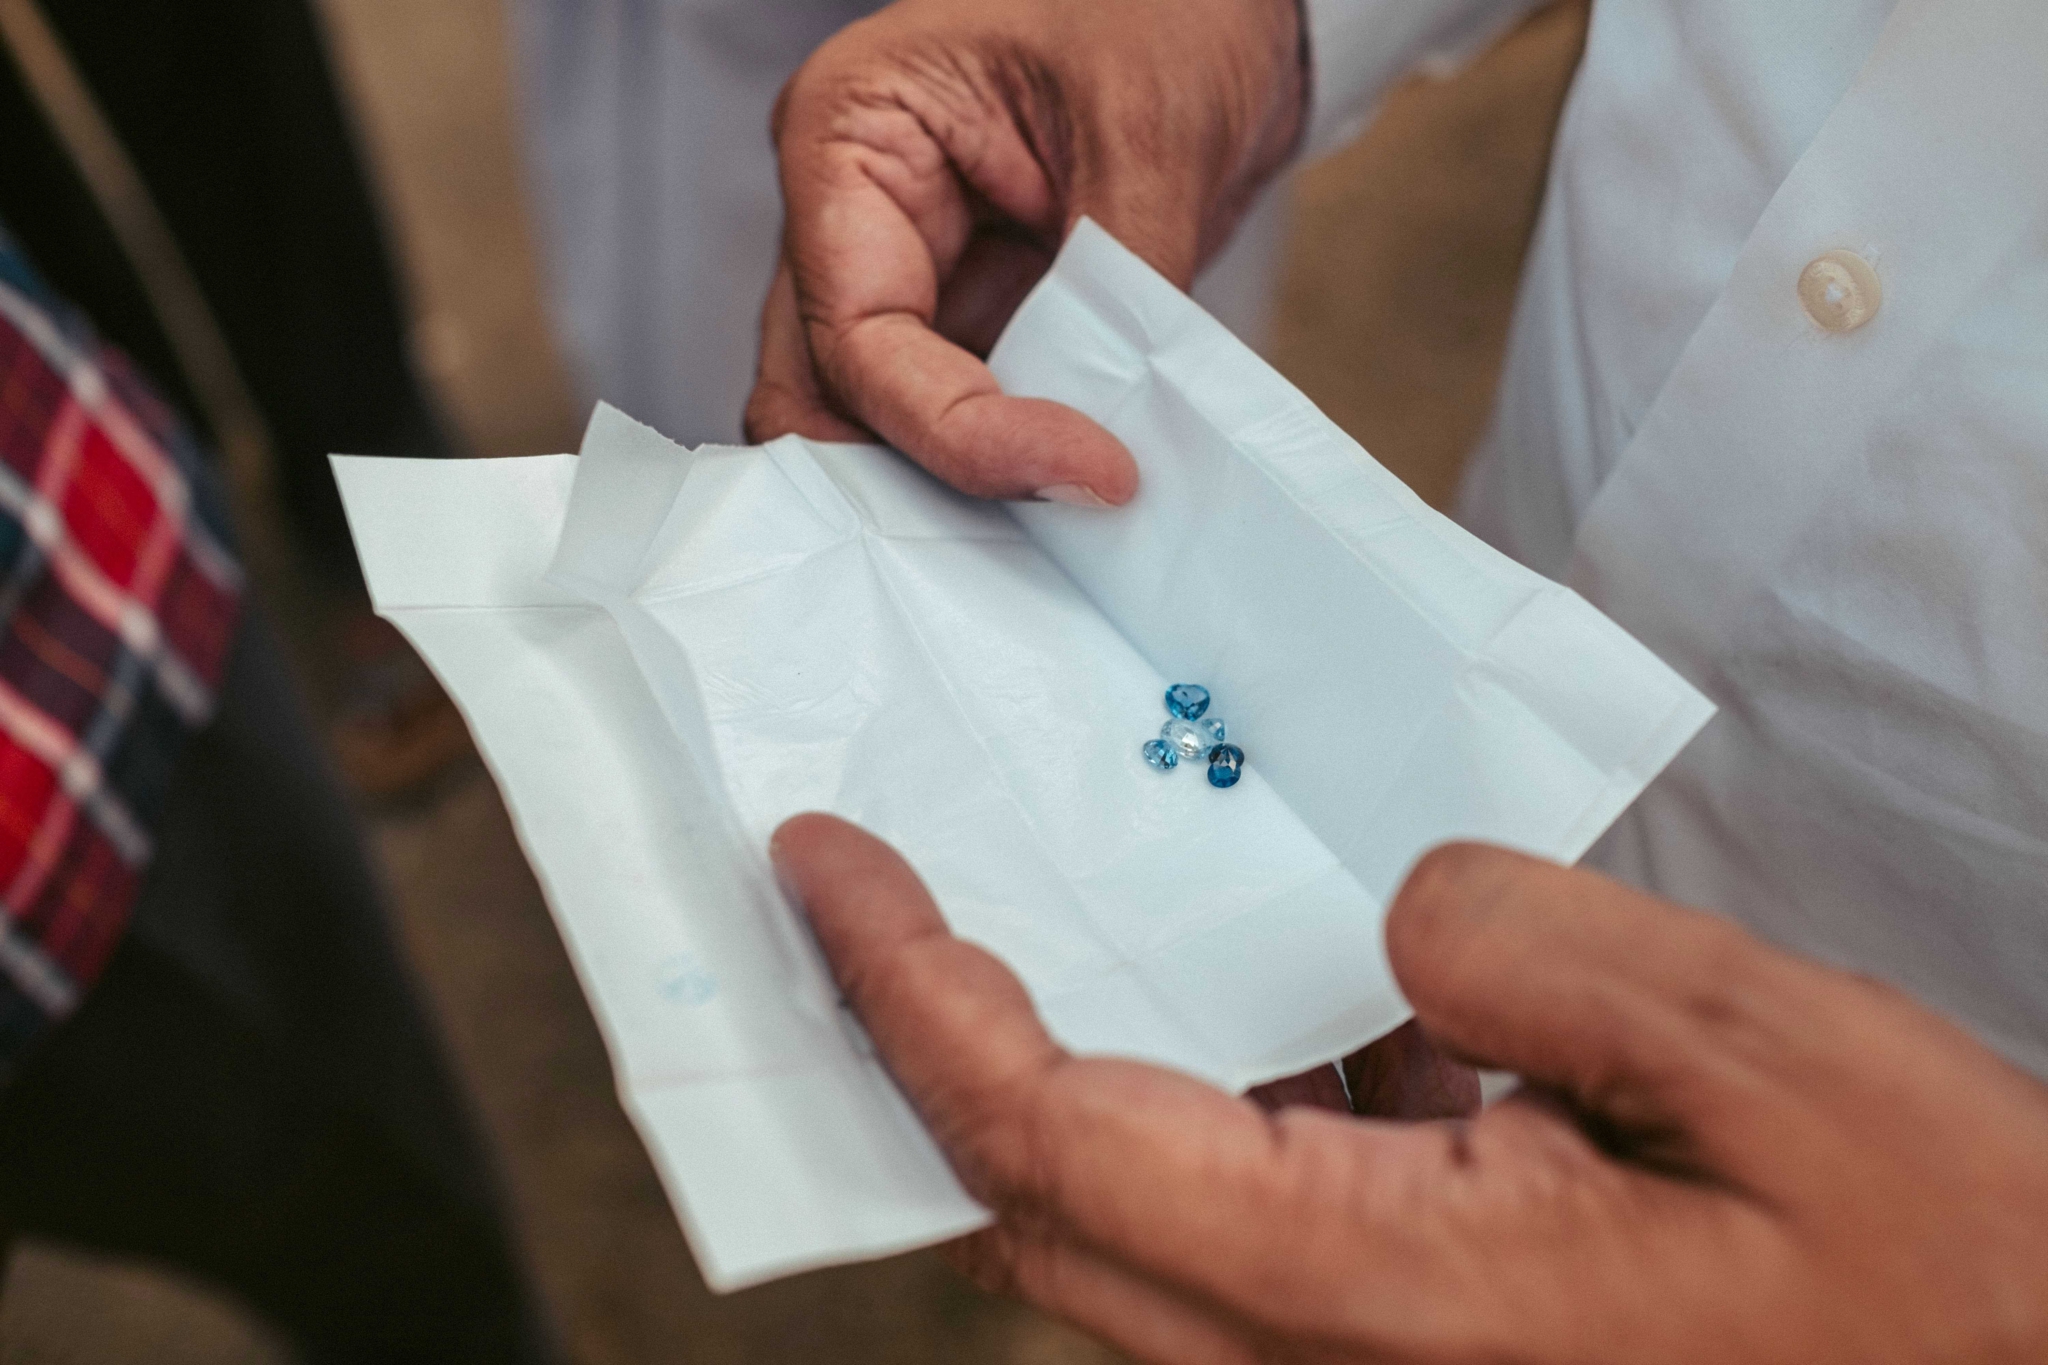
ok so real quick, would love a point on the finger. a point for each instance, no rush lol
(1106, 1300)
(876, 220)
(1102, 1153)
(1671, 1028)
(786, 397)
(1106, 1148)
(955, 1027)
(1319, 1087)
(1404, 1076)
(939, 405)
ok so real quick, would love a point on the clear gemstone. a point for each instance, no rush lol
(1161, 755)
(1186, 701)
(1186, 737)
(1226, 765)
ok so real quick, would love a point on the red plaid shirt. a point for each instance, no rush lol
(118, 598)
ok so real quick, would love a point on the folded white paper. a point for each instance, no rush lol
(664, 653)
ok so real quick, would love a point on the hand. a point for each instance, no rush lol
(1725, 1153)
(933, 157)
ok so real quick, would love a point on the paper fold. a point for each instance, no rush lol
(930, 673)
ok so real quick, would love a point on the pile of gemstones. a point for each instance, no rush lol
(1193, 734)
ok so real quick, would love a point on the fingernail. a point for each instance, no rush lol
(1073, 494)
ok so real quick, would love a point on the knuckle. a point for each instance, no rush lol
(1036, 1182)
(880, 984)
(983, 1100)
(1011, 1145)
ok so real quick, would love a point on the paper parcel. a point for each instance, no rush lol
(663, 653)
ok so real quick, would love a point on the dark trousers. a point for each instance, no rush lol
(252, 1092)
(230, 112)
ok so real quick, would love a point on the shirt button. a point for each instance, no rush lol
(1840, 291)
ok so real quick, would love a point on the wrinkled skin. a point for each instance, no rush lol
(1723, 1153)
(933, 157)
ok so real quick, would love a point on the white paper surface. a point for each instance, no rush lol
(663, 654)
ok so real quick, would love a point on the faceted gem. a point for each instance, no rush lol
(1186, 701)
(1212, 726)
(1161, 755)
(1226, 765)
(1185, 737)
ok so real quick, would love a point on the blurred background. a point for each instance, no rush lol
(1380, 281)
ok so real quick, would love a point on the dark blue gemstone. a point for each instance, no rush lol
(1186, 701)
(1226, 765)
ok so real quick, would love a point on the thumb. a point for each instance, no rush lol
(878, 213)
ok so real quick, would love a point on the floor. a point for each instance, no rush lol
(1399, 281)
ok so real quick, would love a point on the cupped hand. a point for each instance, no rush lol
(932, 159)
(1723, 1152)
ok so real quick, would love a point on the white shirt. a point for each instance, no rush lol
(1840, 536)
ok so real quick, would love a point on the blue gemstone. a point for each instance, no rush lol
(1212, 727)
(1186, 738)
(1226, 765)
(1161, 755)
(1186, 701)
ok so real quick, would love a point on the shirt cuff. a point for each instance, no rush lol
(1357, 48)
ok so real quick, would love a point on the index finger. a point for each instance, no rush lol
(954, 1024)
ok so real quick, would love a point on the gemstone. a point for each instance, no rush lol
(1212, 728)
(1226, 765)
(1186, 738)
(1161, 755)
(1186, 701)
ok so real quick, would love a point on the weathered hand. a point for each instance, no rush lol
(933, 157)
(1725, 1153)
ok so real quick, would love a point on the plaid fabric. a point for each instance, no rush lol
(118, 598)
